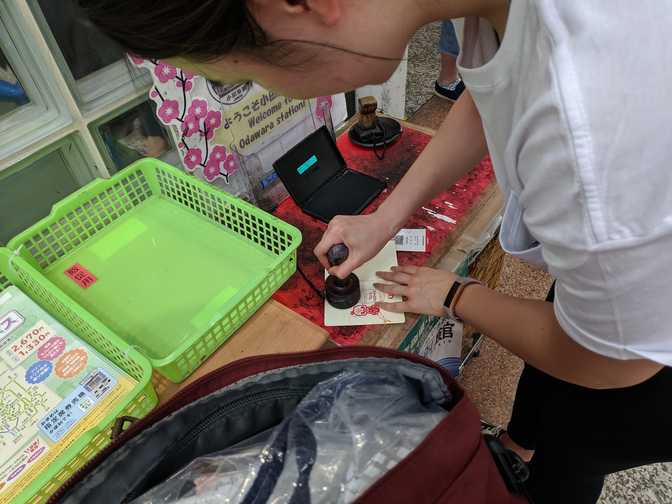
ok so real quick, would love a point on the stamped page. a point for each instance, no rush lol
(366, 312)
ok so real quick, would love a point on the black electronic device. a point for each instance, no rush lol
(316, 176)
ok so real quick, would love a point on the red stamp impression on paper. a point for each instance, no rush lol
(364, 310)
(81, 276)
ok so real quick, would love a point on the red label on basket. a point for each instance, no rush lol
(81, 276)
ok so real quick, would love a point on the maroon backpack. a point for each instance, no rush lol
(454, 463)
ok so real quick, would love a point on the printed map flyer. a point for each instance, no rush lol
(53, 387)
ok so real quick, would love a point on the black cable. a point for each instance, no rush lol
(311, 284)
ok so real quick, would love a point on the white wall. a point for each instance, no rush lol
(391, 95)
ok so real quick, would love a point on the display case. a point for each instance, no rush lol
(131, 133)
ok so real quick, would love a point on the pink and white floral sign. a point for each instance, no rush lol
(195, 121)
(230, 135)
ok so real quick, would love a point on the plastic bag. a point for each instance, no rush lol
(343, 436)
(224, 477)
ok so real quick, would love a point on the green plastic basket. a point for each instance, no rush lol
(179, 265)
(141, 400)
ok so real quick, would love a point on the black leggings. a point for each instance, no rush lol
(580, 435)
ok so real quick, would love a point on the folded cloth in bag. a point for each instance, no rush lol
(344, 425)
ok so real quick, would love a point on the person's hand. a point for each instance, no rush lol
(364, 235)
(423, 289)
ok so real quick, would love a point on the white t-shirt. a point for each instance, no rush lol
(577, 110)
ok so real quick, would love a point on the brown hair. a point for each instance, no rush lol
(157, 29)
(201, 30)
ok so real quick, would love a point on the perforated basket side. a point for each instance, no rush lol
(81, 216)
(191, 359)
(221, 208)
(248, 222)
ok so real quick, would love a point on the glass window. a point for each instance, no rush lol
(134, 134)
(84, 48)
(28, 191)
(12, 94)
(30, 105)
(95, 66)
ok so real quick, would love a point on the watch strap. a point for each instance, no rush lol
(454, 294)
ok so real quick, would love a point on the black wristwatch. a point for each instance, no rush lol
(455, 293)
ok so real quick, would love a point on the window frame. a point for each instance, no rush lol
(101, 88)
(94, 128)
(46, 112)
(73, 153)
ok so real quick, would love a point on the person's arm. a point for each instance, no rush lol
(527, 328)
(457, 147)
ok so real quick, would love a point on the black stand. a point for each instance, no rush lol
(341, 294)
(384, 131)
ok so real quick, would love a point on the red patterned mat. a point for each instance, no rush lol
(440, 217)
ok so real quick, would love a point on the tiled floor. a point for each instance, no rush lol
(491, 378)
